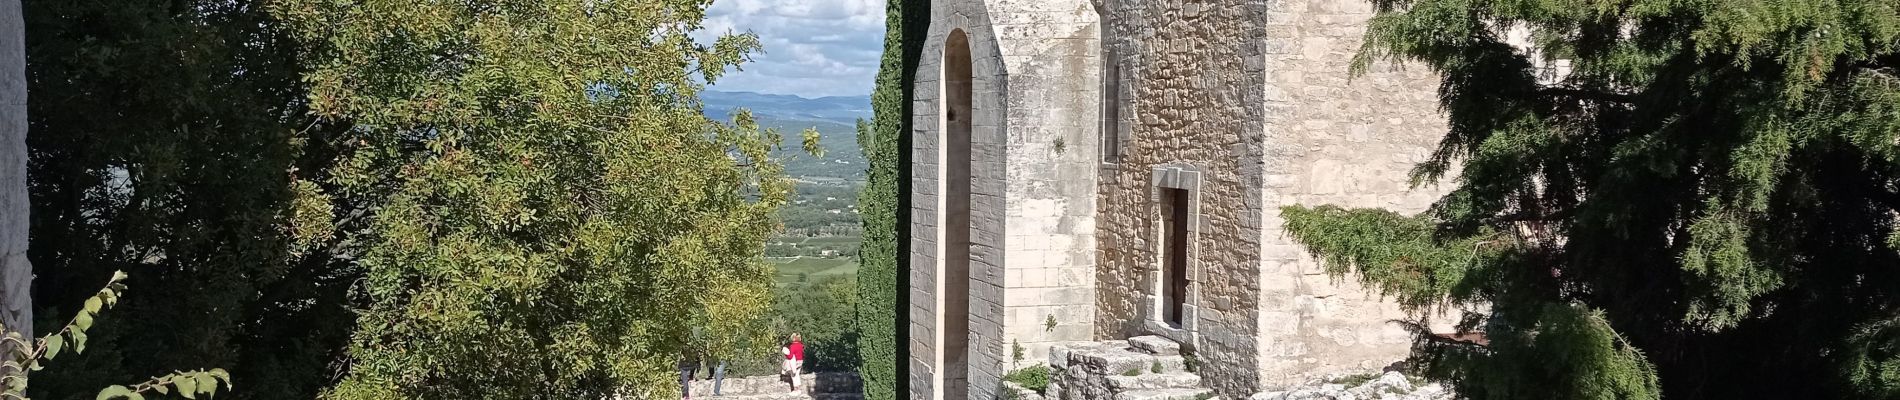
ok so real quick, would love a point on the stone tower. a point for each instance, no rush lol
(1006, 172)
(1101, 169)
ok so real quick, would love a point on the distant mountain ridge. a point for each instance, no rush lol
(840, 109)
(835, 118)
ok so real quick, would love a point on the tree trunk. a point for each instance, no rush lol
(16, 275)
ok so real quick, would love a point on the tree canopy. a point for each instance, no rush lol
(165, 137)
(553, 213)
(391, 199)
(1701, 205)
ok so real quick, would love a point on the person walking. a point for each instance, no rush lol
(786, 370)
(689, 366)
(718, 374)
(795, 354)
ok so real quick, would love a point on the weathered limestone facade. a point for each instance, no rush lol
(1009, 179)
(1044, 200)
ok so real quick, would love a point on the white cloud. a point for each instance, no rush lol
(812, 47)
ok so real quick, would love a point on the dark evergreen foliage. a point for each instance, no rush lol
(880, 279)
(1702, 207)
(165, 139)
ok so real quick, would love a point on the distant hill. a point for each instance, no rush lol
(843, 162)
(838, 109)
(835, 118)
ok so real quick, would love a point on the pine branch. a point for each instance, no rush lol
(1586, 94)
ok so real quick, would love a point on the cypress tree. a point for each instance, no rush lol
(880, 280)
(1702, 206)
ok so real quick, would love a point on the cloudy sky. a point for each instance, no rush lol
(813, 48)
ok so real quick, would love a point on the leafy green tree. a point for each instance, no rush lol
(169, 137)
(824, 313)
(879, 274)
(1702, 206)
(554, 215)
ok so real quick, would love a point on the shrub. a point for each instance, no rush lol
(1034, 377)
(1354, 380)
(824, 312)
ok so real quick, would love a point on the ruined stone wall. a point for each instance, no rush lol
(1049, 48)
(1190, 79)
(1333, 139)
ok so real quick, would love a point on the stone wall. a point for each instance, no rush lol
(1049, 48)
(1187, 76)
(810, 383)
(1333, 139)
(1033, 180)
(1248, 103)
(986, 355)
(1256, 95)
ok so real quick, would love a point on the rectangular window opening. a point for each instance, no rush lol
(1111, 106)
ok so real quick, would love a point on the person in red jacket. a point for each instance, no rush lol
(795, 355)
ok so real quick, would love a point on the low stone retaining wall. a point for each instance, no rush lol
(813, 384)
(1388, 386)
(1140, 368)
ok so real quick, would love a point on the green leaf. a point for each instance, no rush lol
(116, 391)
(92, 304)
(53, 344)
(207, 383)
(79, 342)
(811, 142)
(187, 386)
(223, 376)
(82, 322)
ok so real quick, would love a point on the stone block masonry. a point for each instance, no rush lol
(1036, 222)
(1187, 72)
(1029, 194)
(1333, 138)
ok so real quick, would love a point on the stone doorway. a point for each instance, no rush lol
(1171, 286)
(1174, 261)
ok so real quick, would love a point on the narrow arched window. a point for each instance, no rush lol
(1111, 88)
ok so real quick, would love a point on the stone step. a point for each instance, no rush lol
(1167, 394)
(787, 396)
(1059, 356)
(1122, 383)
(1155, 345)
(1111, 361)
(1171, 364)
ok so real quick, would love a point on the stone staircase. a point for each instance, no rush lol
(1140, 368)
(818, 386)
